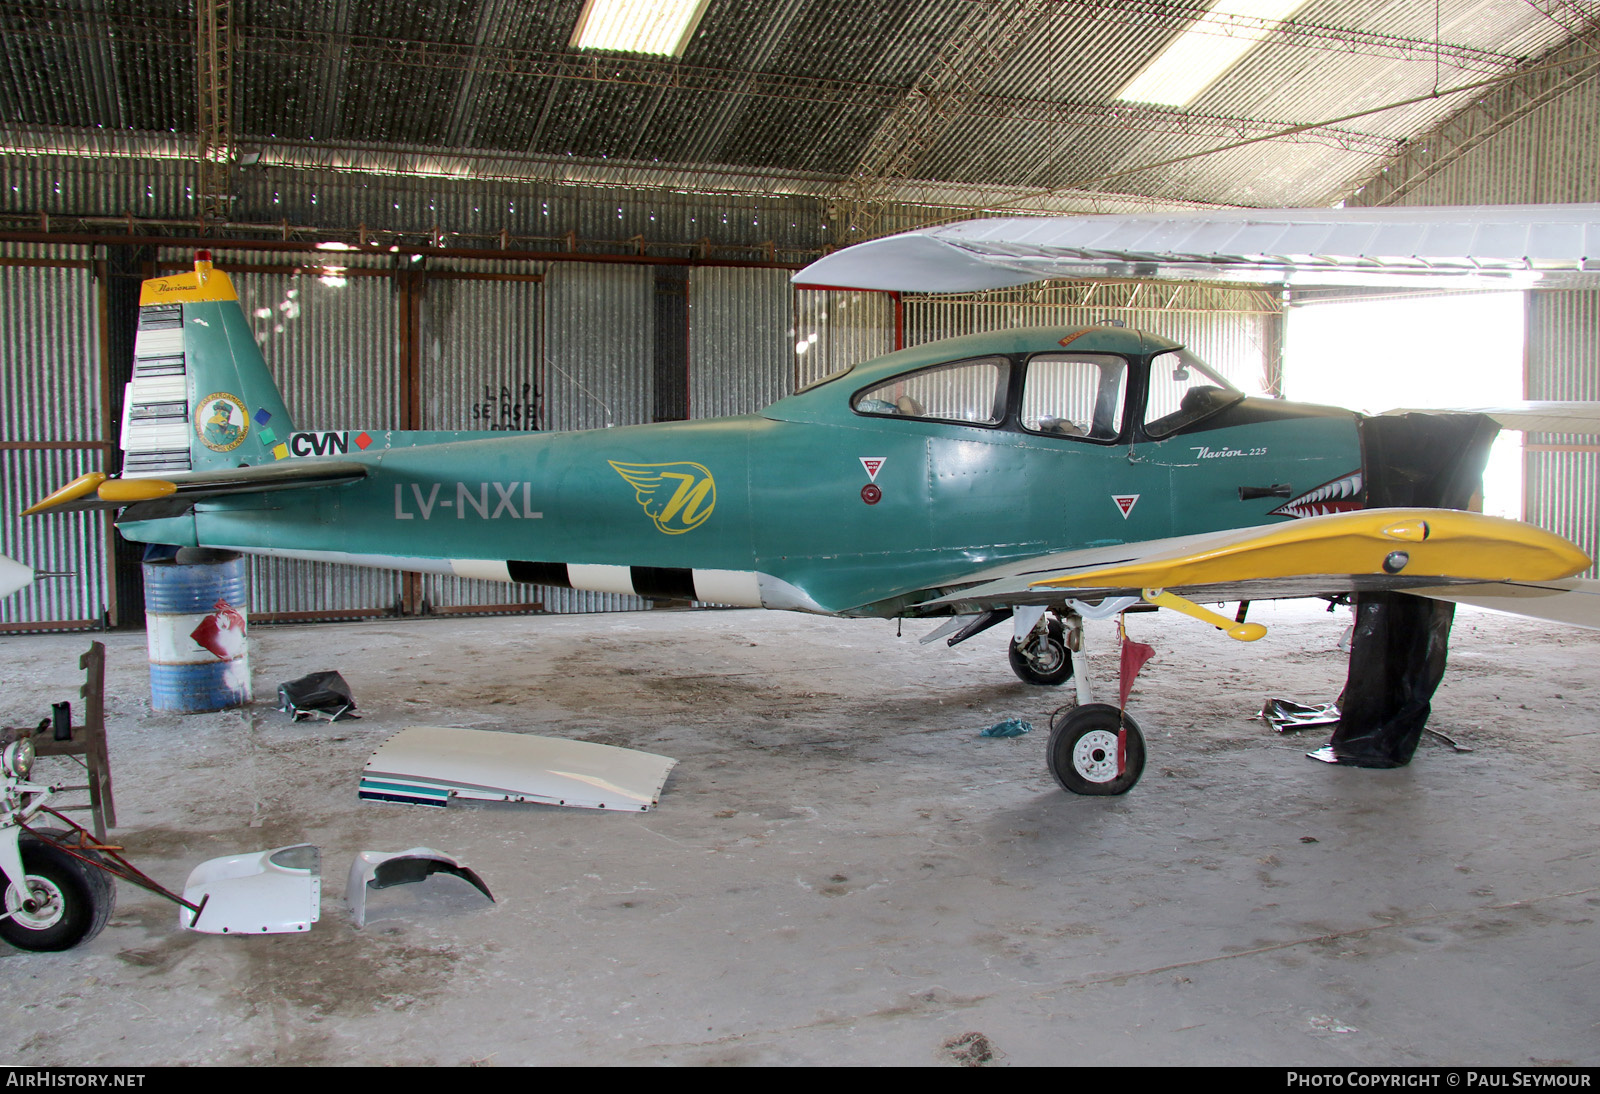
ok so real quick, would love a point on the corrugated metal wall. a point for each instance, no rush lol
(741, 326)
(1529, 144)
(1231, 331)
(836, 328)
(50, 433)
(1562, 471)
(163, 188)
(599, 347)
(479, 369)
(331, 344)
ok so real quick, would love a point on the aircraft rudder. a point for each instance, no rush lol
(201, 397)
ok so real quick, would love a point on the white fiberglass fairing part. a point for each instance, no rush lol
(261, 892)
(381, 869)
(429, 765)
(13, 575)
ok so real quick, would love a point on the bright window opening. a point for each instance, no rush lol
(1430, 352)
(662, 27)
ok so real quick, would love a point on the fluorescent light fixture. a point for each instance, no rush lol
(1211, 45)
(662, 27)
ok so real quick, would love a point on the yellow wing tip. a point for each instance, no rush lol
(1433, 542)
(79, 487)
(107, 489)
(128, 491)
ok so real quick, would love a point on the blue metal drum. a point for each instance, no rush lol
(196, 620)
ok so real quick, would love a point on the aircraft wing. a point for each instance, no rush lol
(1574, 601)
(175, 493)
(1533, 416)
(1432, 552)
(1508, 246)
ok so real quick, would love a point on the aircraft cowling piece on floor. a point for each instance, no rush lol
(1042, 475)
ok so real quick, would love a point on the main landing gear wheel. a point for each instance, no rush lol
(1041, 657)
(1083, 751)
(67, 901)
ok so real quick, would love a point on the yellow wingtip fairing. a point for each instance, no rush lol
(1429, 542)
(82, 486)
(128, 491)
(204, 283)
(106, 489)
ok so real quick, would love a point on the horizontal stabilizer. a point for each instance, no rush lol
(96, 491)
(13, 576)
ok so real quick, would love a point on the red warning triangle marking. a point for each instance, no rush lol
(1125, 503)
(872, 464)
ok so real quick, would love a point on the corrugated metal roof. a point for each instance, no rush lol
(790, 92)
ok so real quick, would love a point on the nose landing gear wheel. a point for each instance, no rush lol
(67, 902)
(1082, 754)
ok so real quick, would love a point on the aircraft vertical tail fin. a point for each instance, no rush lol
(201, 397)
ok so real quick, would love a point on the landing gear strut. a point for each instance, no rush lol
(1041, 656)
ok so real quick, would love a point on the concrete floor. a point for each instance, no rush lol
(840, 870)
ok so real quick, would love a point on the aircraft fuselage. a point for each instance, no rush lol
(812, 504)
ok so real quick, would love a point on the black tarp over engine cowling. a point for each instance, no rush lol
(1397, 657)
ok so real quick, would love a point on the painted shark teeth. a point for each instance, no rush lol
(1341, 495)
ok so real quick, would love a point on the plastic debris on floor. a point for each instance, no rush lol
(317, 695)
(1011, 727)
(1286, 715)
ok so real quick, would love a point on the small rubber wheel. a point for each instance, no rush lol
(67, 901)
(1083, 751)
(1042, 658)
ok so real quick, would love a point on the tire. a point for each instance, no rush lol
(1050, 664)
(1082, 753)
(73, 900)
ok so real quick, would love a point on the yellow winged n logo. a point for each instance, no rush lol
(678, 497)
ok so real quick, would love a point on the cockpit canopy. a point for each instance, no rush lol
(1063, 393)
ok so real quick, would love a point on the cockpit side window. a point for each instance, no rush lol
(1076, 395)
(1183, 391)
(972, 392)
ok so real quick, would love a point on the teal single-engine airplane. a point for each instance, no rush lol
(1038, 475)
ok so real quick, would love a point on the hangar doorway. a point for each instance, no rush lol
(1461, 350)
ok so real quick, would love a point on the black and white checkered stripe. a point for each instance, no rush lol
(737, 587)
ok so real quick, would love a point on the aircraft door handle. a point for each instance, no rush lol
(1276, 490)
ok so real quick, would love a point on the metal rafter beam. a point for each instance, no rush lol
(214, 118)
(1575, 15)
(55, 21)
(1140, 118)
(656, 74)
(1427, 154)
(952, 96)
(983, 42)
(1177, 15)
